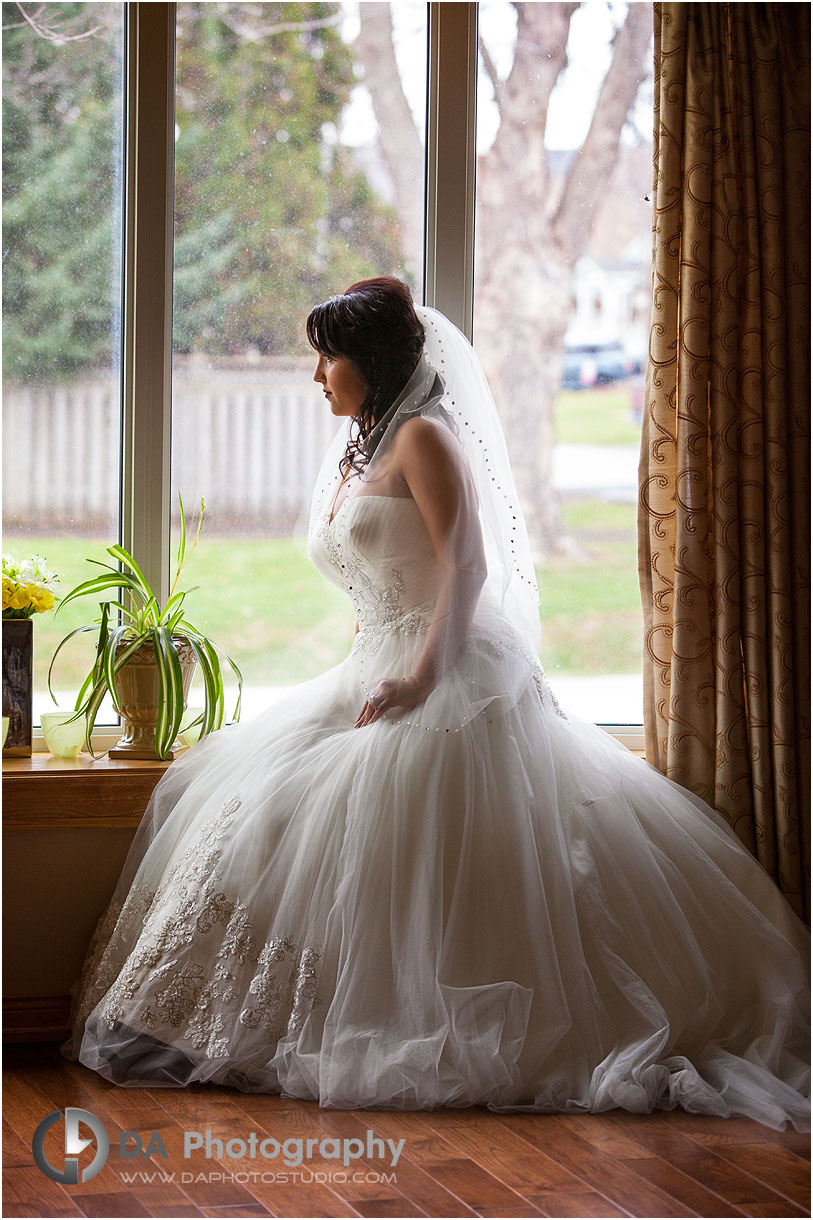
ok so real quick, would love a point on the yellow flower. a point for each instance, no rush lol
(8, 587)
(40, 599)
(19, 599)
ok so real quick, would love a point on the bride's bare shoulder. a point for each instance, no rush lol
(422, 435)
(428, 457)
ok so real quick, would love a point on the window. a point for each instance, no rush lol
(288, 187)
(560, 278)
(297, 165)
(63, 134)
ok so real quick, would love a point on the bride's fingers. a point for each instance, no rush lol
(367, 714)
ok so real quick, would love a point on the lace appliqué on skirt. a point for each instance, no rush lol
(285, 983)
(203, 999)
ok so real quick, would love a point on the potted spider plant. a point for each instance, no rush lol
(146, 660)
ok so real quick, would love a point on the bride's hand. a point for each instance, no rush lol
(390, 693)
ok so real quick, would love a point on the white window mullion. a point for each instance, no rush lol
(147, 314)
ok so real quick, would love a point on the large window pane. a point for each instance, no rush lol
(562, 284)
(291, 182)
(62, 212)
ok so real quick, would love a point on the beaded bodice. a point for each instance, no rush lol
(378, 549)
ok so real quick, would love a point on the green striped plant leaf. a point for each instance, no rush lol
(97, 585)
(148, 622)
(124, 557)
(170, 690)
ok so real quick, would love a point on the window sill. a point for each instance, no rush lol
(46, 793)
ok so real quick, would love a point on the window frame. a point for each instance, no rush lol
(451, 159)
(147, 254)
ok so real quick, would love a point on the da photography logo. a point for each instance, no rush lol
(73, 1146)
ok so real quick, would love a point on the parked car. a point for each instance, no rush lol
(593, 364)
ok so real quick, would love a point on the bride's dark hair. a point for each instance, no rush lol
(372, 323)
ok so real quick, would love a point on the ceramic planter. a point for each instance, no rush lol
(137, 690)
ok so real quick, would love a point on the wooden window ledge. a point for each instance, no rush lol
(46, 793)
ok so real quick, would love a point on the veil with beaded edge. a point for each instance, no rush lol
(499, 638)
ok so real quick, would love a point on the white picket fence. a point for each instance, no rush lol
(249, 438)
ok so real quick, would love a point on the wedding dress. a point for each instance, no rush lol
(478, 902)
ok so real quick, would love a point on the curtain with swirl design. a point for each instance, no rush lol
(724, 475)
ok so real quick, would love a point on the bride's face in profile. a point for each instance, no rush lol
(343, 384)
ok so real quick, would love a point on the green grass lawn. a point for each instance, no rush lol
(264, 602)
(597, 417)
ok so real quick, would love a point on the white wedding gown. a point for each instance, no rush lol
(515, 912)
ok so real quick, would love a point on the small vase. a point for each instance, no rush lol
(18, 651)
(137, 690)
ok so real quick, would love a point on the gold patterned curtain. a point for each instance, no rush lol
(724, 478)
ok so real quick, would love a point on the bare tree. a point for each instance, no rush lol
(399, 139)
(526, 251)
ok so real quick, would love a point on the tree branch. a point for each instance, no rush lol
(596, 159)
(491, 70)
(257, 33)
(518, 155)
(399, 140)
(50, 31)
(540, 55)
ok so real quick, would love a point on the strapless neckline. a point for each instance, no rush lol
(351, 499)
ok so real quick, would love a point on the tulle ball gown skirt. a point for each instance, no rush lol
(518, 914)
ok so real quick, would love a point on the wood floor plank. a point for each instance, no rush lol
(418, 1185)
(680, 1186)
(424, 1143)
(600, 1173)
(741, 1131)
(509, 1157)
(416, 1178)
(29, 1188)
(600, 1131)
(575, 1203)
(517, 1211)
(253, 1209)
(439, 1155)
(26, 1106)
(780, 1169)
(148, 1176)
(117, 1203)
(454, 1163)
(664, 1138)
(389, 1207)
(293, 1187)
(166, 1200)
(16, 1153)
(24, 1209)
(620, 1143)
(474, 1185)
(352, 1125)
(765, 1210)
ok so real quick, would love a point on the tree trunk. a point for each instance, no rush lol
(398, 139)
(527, 251)
(523, 360)
(528, 240)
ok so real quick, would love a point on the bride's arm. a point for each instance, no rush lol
(437, 474)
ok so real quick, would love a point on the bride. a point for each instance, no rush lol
(414, 881)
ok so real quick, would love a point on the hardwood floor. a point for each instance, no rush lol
(454, 1162)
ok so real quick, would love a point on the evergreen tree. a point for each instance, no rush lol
(271, 214)
(61, 193)
(268, 213)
